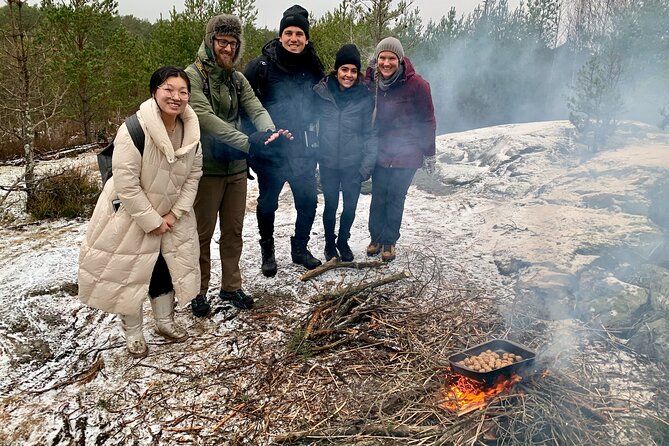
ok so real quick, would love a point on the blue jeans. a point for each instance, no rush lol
(303, 186)
(389, 191)
(332, 180)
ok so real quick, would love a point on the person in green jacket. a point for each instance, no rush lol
(219, 94)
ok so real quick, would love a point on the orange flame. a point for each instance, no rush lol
(465, 395)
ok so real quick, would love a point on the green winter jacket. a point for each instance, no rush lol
(224, 146)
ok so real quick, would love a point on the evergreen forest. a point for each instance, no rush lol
(74, 69)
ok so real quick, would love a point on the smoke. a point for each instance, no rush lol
(499, 69)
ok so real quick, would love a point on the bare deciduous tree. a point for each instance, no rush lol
(24, 103)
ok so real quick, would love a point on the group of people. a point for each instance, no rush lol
(208, 126)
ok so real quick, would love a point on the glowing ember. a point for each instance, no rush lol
(464, 395)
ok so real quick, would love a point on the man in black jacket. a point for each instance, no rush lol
(283, 77)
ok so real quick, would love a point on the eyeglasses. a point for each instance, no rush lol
(223, 42)
(182, 94)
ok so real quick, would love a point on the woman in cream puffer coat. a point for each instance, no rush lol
(142, 238)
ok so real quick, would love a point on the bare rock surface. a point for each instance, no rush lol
(520, 221)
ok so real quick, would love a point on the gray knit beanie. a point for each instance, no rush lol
(224, 25)
(390, 44)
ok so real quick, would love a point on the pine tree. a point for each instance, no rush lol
(79, 32)
(596, 101)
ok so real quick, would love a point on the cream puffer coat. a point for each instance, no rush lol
(118, 254)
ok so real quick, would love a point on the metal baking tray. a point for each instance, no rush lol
(496, 345)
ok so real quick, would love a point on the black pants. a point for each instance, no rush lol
(389, 191)
(333, 180)
(303, 186)
(161, 280)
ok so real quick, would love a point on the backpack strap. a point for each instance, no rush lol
(261, 76)
(199, 67)
(237, 81)
(136, 132)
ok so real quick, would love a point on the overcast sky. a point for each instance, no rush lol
(269, 11)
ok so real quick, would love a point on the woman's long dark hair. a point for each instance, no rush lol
(159, 77)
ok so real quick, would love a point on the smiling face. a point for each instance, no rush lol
(347, 75)
(293, 39)
(172, 96)
(388, 63)
(225, 48)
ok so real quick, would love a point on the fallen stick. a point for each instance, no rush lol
(362, 287)
(184, 429)
(232, 413)
(334, 263)
(376, 430)
(82, 378)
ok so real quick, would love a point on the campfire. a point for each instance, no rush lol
(463, 395)
(477, 375)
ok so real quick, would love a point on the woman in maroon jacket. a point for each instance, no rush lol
(405, 124)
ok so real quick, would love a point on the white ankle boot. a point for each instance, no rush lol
(134, 337)
(163, 313)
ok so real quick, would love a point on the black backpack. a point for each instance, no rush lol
(105, 155)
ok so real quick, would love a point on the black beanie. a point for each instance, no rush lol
(347, 54)
(295, 16)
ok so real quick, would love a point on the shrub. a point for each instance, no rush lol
(596, 101)
(70, 193)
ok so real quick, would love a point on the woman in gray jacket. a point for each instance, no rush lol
(347, 146)
(142, 238)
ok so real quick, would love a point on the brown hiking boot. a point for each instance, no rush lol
(373, 249)
(388, 253)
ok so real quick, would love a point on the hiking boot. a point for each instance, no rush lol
(330, 248)
(345, 252)
(199, 306)
(238, 299)
(163, 315)
(373, 249)
(388, 253)
(268, 260)
(301, 255)
(134, 337)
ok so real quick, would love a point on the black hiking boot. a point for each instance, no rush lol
(330, 248)
(346, 255)
(301, 255)
(238, 299)
(199, 306)
(268, 261)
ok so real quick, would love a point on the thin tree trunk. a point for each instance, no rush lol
(27, 130)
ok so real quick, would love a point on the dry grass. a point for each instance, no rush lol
(375, 379)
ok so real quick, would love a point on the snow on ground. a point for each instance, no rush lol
(462, 217)
(42, 257)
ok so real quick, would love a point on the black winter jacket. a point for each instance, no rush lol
(345, 135)
(283, 82)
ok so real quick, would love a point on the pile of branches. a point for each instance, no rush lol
(356, 364)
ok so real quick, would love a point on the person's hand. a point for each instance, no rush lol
(276, 135)
(258, 140)
(170, 219)
(262, 145)
(287, 133)
(160, 230)
(429, 164)
(363, 176)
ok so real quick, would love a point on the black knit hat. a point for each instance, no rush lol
(295, 16)
(347, 54)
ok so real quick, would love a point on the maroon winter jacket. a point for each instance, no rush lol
(404, 120)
